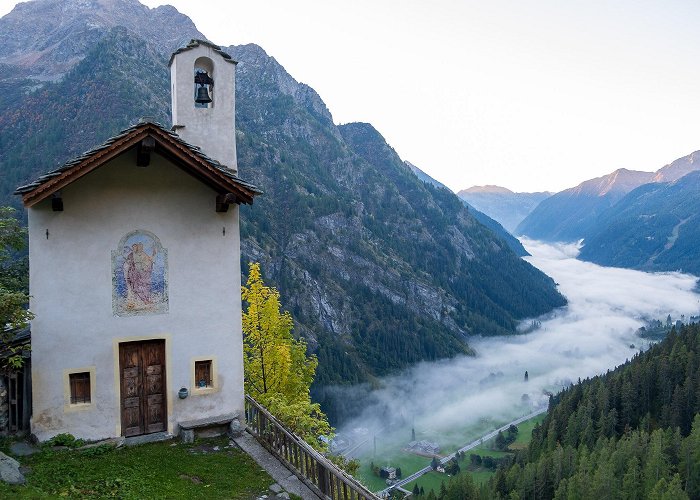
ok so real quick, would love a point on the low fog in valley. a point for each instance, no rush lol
(594, 333)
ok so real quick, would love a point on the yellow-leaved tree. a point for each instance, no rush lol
(278, 373)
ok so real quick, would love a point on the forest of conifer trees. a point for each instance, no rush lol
(632, 433)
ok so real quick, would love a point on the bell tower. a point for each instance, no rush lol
(203, 93)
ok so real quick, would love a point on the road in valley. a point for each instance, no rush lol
(467, 447)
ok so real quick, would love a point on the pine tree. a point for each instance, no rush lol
(690, 460)
(657, 462)
(500, 441)
(632, 481)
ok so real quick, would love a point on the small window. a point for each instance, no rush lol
(202, 373)
(79, 387)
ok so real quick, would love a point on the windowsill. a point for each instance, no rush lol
(78, 407)
(201, 391)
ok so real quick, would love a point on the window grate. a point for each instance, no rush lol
(202, 373)
(79, 388)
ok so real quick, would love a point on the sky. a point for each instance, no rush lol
(594, 333)
(532, 96)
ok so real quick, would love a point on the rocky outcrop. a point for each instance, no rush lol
(9, 470)
(63, 32)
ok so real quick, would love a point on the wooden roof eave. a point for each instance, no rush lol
(185, 159)
(80, 169)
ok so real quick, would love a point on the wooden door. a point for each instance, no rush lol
(143, 390)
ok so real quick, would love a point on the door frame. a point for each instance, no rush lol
(117, 378)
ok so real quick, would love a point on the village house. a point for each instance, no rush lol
(388, 473)
(427, 448)
(134, 253)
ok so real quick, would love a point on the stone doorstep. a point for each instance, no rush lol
(147, 438)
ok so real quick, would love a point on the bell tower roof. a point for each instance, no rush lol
(195, 42)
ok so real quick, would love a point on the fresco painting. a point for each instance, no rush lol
(139, 275)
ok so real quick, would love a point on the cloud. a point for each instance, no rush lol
(592, 334)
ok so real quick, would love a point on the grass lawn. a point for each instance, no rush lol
(481, 476)
(168, 469)
(525, 432)
(485, 451)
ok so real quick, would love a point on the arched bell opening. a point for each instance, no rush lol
(203, 83)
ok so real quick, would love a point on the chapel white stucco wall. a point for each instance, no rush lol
(71, 294)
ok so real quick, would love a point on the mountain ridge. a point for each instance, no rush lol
(655, 227)
(572, 214)
(484, 219)
(378, 269)
(69, 27)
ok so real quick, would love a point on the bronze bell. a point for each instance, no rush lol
(202, 95)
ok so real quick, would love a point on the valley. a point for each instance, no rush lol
(456, 401)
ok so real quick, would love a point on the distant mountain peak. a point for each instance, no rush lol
(619, 182)
(502, 204)
(489, 188)
(678, 168)
(573, 213)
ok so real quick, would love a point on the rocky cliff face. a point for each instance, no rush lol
(484, 219)
(64, 31)
(379, 269)
(357, 243)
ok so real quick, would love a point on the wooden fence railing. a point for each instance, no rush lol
(315, 470)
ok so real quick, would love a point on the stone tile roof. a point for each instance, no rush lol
(121, 137)
(18, 337)
(196, 42)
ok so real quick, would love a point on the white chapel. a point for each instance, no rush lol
(134, 253)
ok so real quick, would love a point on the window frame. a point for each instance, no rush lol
(213, 386)
(69, 405)
(205, 365)
(80, 381)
